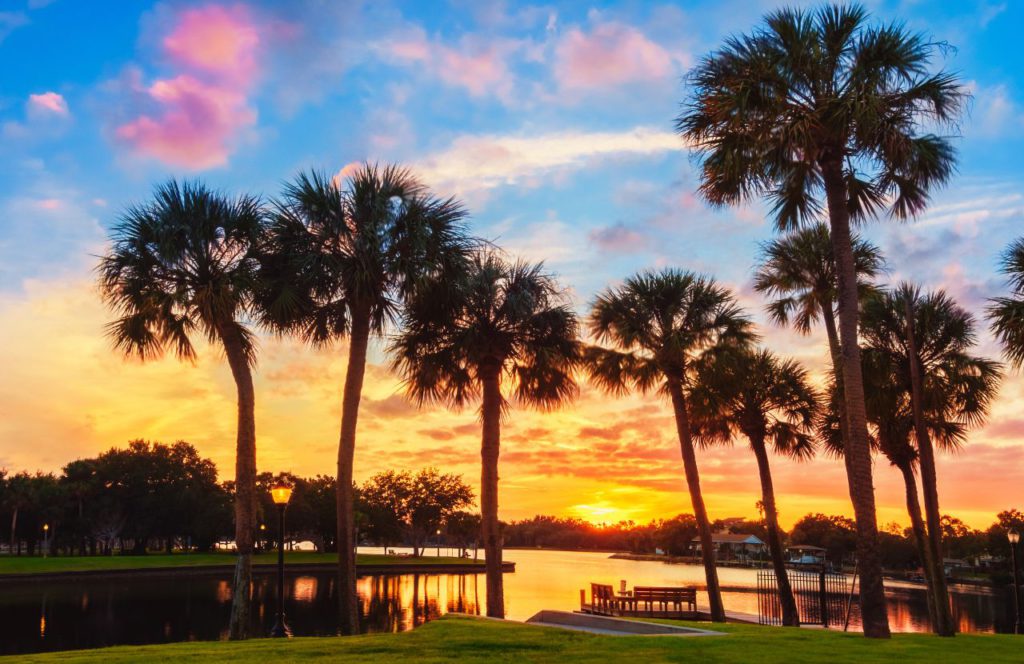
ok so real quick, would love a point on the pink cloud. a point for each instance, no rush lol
(222, 41)
(478, 66)
(195, 126)
(346, 170)
(48, 102)
(610, 54)
(193, 119)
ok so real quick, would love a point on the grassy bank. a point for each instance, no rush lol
(477, 640)
(56, 565)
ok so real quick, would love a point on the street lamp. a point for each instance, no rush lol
(1014, 537)
(438, 542)
(46, 539)
(280, 493)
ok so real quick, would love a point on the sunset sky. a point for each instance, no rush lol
(552, 122)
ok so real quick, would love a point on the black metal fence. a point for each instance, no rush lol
(822, 598)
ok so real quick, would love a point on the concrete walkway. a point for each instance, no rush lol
(583, 622)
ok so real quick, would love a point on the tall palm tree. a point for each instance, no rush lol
(463, 338)
(341, 259)
(927, 338)
(820, 112)
(655, 329)
(770, 401)
(181, 265)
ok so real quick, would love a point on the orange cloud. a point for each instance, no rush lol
(65, 394)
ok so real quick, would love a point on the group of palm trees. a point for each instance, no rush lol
(817, 111)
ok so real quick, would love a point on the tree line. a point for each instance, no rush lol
(830, 118)
(148, 496)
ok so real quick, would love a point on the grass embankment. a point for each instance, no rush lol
(56, 565)
(469, 640)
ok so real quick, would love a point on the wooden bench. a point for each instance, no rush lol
(651, 598)
(602, 600)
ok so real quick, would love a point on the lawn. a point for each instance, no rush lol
(38, 565)
(471, 640)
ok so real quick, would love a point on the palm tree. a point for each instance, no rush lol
(659, 326)
(768, 400)
(820, 112)
(341, 259)
(184, 264)
(927, 338)
(500, 323)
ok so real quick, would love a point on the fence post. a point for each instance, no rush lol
(823, 597)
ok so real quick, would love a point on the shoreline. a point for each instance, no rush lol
(396, 568)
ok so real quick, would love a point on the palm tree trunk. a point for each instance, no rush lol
(874, 613)
(14, 526)
(707, 547)
(943, 616)
(790, 615)
(836, 355)
(917, 526)
(359, 339)
(490, 528)
(245, 482)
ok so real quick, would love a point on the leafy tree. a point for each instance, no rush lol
(836, 534)
(821, 113)
(463, 337)
(675, 536)
(771, 402)
(656, 329)
(341, 259)
(180, 265)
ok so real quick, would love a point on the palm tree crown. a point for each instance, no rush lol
(343, 250)
(958, 387)
(659, 324)
(1006, 314)
(813, 88)
(799, 271)
(755, 393)
(182, 264)
(506, 317)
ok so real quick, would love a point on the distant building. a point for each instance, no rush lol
(741, 547)
(805, 554)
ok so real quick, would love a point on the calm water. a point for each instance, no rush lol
(97, 612)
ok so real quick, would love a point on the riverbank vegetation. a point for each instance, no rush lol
(472, 640)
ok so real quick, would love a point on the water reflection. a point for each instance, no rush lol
(94, 612)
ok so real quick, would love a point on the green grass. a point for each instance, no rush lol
(469, 640)
(37, 565)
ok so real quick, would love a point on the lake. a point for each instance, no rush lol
(91, 612)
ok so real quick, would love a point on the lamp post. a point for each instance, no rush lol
(438, 542)
(280, 493)
(1014, 537)
(263, 537)
(46, 539)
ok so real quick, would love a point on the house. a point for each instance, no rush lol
(742, 547)
(805, 554)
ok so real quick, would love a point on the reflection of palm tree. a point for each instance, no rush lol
(659, 326)
(769, 401)
(463, 337)
(820, 112)
(923, 341)
(340, 260)
(184, 264)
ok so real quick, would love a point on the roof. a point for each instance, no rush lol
(806, 547)
(733, 538)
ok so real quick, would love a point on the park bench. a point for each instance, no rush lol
(602, 600)
(650, 599)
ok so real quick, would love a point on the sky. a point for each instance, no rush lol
(553, 122)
